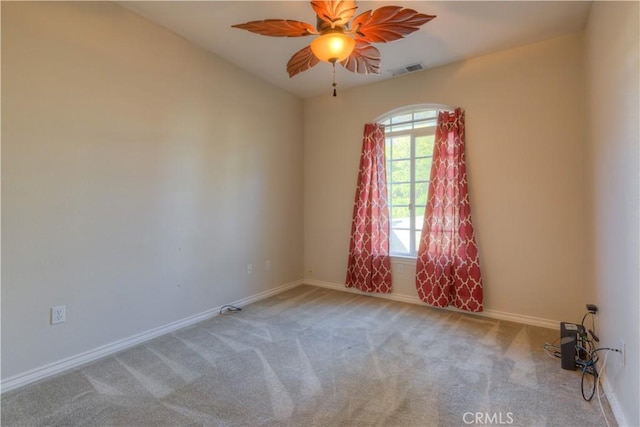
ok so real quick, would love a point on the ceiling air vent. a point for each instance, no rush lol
(407, 69)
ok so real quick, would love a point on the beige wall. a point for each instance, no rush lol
(613, 192)
(140, 175)
(525, 130)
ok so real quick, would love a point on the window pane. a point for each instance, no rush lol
(401, 147)
(427, 114)
(401, 119)
(398, 128)
(423, 169)
(424, 145)
(419, 217)
(399, 215)
(399, 241)
(401, 171)
(418, 236)
(400, 194)
(422, 188)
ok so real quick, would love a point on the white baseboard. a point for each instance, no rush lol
(77, 360)
(266, 294)
(493, 314)
(612, 398)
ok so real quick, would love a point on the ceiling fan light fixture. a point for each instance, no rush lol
(333, 47)
(340, 37)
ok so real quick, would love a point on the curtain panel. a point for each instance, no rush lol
(369, 264)
(448, 264)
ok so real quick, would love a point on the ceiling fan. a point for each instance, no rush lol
(339, 40)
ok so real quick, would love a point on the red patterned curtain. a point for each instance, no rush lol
(369, 265)
(448, 266)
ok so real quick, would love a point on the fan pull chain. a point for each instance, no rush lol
(334, 79)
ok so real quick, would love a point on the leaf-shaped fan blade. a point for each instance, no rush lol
(301, 61)
(388, 23)
(365, 59)
(337, 12)
(278, 28)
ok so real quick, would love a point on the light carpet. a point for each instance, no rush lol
(317, 357)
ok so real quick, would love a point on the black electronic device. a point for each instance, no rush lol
(572, 338)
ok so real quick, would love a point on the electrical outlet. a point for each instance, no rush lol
(623, 352)
(310, 271)
(400, 268)
(249, 268)
(267, 265)
(58, 314)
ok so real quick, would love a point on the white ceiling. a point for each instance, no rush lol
(462, 29)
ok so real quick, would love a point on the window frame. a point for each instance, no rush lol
(412, 133)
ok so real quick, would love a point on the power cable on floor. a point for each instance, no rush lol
(229, 309)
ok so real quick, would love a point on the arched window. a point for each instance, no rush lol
(409, 140)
